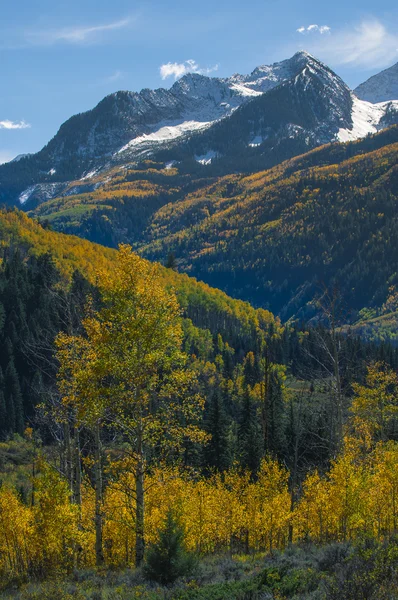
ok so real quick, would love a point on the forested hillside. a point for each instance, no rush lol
(243, 424)
(46, 277)
(321, 220)
(275, 238)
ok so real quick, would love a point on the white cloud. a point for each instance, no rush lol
(177, 70)
(367, 45)
(7, 124)
(75, 35)
(314, 29)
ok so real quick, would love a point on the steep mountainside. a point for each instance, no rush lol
(274, 238)
(321, 219)
(381, 87)
(243, 123)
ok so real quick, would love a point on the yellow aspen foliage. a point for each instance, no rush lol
(312, 515)
(231, 491)
(16, 529)
(56, 532)
(383, 489)
(268, 507)
(348, 484)
(376, 404)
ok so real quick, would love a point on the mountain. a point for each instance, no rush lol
(241, 123)
(382, 87)
(273, 238)
(277, 237)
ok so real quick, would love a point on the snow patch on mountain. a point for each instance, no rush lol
(89, 175)
(244, 90)
(169, 165)
(41, 191)
(366, 118)
(26, 194)
(166, 133)
(206, 159)
(257, 141)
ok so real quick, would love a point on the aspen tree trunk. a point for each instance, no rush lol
(68, 456)
(294, 475)
(78, 471)
(339, 394)
(265, 409)
(99, 556)
(139, 512)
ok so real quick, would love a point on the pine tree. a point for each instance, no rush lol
(250, 443)
(171, 262)
(168, 559)
(275, 442)
(3, 414)
(13, 397)
(217, 451)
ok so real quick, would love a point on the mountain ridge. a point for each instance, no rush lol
(382, 87)
(296, 104)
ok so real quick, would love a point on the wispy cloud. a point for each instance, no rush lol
(177, 70)
(75, 35)
(116, 76)
(7, 124)
(367, 45)
(322, 29)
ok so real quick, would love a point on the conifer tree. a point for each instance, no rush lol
(13, 400)
(250, 442)
(168, 559)
(217, 451)
(3, 413)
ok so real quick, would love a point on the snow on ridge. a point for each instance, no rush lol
(366, 118)
(169, 165)
(243, 90)
(44, 191)
(165, 133)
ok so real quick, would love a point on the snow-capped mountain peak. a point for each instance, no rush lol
(274, 112)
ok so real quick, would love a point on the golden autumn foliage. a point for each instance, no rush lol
(48, 533)
(71, 253)
(224, 512)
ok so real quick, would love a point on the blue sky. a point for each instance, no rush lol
(58, 59)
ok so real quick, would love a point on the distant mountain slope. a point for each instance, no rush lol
(276, 238)
(272, 238)
(380, 87)
(241, 123)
